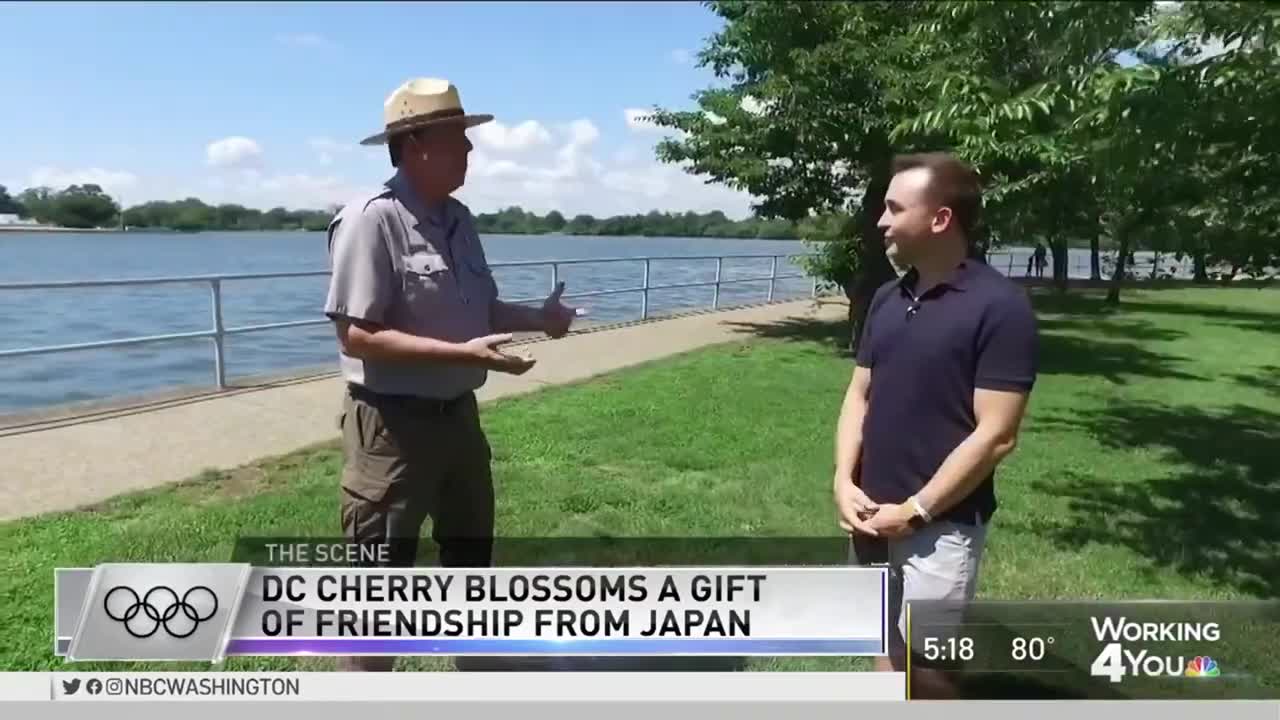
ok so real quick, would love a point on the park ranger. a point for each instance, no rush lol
(419, 325)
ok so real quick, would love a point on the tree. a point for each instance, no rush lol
(804, 121)
(998, 95)
(1227, 49)
(38, 202)
(554, 221)
(1142, 132)
(822, 95)
(84, 206)
(9, 205)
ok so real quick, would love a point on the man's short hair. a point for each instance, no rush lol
(952, 182)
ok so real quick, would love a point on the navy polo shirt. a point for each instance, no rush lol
(927, 355)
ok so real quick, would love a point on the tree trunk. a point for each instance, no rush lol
(874, 268)
(1121, 235)
(1095, 257)
(1061, 260)
(1201, 271)
(1155, 265)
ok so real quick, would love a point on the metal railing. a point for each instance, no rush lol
(219, 331)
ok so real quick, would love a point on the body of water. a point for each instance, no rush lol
(38, 318)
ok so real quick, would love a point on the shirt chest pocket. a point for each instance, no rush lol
(426, 276)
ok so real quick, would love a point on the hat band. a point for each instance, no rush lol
(409, 122)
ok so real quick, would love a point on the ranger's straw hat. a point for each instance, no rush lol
(423, 102)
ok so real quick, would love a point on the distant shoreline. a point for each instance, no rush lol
(154, 231)
(54, 229)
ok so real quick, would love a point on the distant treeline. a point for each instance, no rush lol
(88, 206)
(193, 215)
(515, 220)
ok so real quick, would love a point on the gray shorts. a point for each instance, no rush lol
(937, 562)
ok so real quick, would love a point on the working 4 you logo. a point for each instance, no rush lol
(1123, 655)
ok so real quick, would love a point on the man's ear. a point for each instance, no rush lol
(943, 218)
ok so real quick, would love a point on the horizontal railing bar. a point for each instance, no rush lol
(275, 326)
(587, 293)
(580, 261)
(107, 343)
(178, 279)
(621, 291)
(218, 331)
(155, 281)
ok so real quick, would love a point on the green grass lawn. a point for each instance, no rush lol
(1149, 467)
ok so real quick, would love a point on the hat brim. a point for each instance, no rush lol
(464, 120)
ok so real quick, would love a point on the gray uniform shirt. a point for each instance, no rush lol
(397, 265)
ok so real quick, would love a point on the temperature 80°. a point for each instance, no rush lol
(1032, 648)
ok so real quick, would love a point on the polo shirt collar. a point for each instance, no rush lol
(957, 280)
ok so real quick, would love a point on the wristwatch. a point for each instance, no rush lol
(919, 516)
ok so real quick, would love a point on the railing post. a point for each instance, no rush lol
(644, 299)
(773, 274)
(814, 293)
(715, 297)
(555, 275)
(219, 366)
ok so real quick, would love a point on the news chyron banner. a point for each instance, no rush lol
(212, 611)
(1156, 650)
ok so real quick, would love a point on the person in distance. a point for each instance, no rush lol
(945, 365)
(419, 326)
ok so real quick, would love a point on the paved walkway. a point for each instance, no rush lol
(65, 463)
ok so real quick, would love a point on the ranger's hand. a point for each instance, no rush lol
(485, 351)
(556, 317)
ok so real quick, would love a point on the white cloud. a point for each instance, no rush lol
(570, 169)
(575, 177)
(114, 182)
(234, 152)
(297, 190)
(582, 133)
(304, 40)
(638, 121)
(498, 136)
(681, 56)
(752, 105)
(327, 149)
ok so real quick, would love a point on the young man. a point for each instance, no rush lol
(945, 364)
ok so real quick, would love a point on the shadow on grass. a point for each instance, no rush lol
(1086, 305)
(1061, 353)
(832, 334)
(1215, 517)
(1136, 330)
(1267, 379)
(1115, 361)
(1243, 319)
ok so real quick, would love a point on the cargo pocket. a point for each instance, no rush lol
(374, 459)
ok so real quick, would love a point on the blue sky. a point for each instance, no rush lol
(263, 104)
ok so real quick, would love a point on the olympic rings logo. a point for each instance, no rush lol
(160, 607)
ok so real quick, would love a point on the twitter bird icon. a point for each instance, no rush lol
(71, 686)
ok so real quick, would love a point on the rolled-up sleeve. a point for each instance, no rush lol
(362, 284)
(1008, 346)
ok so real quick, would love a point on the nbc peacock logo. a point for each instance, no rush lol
(1202, 666)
